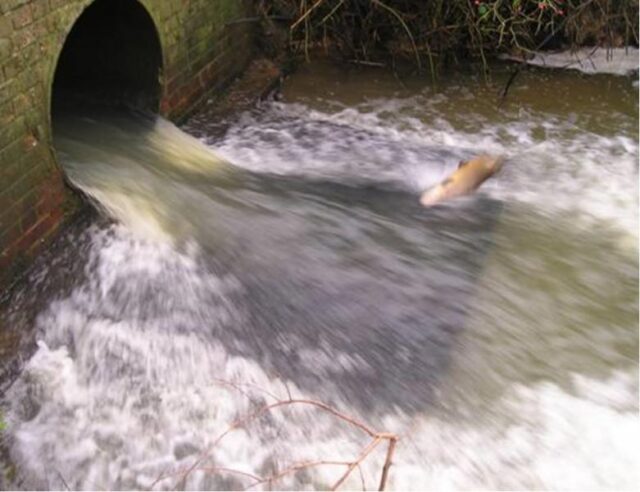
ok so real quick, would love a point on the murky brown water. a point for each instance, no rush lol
(497, 334)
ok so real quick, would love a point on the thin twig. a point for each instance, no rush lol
(333, 11)
(387, 462)
(372, 445)
(238, 387)
(240, 423)
(64, 482)
(296, 467)
(306, 14)
(554, 31)
(408, 31)
(512, 77)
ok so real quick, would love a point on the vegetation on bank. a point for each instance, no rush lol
(434, 33)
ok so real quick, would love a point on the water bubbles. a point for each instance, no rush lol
(496, 335)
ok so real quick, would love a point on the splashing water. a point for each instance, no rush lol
(496, 335)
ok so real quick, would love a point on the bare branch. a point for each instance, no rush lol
(387, 462)
(377, 438)
(365, 452)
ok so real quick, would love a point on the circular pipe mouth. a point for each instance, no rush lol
(111, 57)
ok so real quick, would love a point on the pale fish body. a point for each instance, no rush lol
(464, 180)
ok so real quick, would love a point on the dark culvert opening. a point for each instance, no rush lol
(112, 57)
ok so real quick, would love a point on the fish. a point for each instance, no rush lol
(464, 180)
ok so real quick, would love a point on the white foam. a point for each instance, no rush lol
(539, 437)
(122, 390)
(122, 387)
(111, 434)
(590, 175)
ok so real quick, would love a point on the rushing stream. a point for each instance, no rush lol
(496, 335)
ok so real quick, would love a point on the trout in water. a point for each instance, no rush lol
(464, 180)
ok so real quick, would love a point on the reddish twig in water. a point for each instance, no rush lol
(372, 445)
(378, 437)
(238, 387)
(387, 462)
(293, 468)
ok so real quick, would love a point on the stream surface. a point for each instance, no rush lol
(496, 335)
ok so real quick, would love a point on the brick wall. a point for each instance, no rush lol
(202, 49)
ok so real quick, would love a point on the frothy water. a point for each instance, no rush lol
(496, 335)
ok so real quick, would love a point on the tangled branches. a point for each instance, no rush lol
(376, 31)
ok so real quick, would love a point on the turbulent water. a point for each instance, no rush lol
(497, 335)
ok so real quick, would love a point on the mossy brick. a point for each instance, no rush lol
(36, 96)
(40, 8)
(22, 16)
(10, 233)
(172, 25)
(11, 171)
(27, 182)
(7, 90)
(39, 29)
(5, 49)
(7, 113)
(8, 154)
(13, 66)
(56, 4)
(163, 10)
(6, 203)
(28, 214)
(22, 39)
(21, 103)
(11, 133)
(61, 21)
(5, 27)
(50, 41)
(31, 54)
(198, 56)
(18, 193)
(9, 5)
(29, 77)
